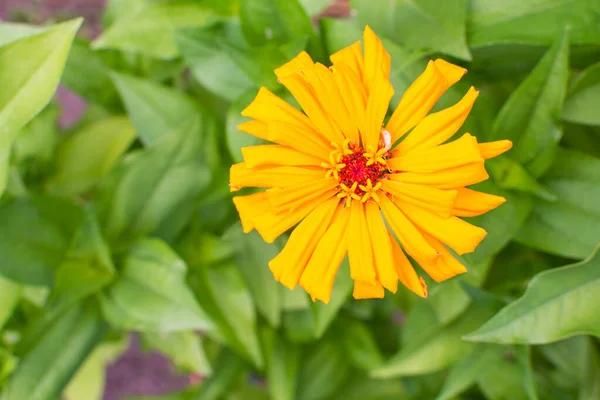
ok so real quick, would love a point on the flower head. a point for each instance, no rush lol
(354, 185)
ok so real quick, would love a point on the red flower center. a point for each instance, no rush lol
(357, 170)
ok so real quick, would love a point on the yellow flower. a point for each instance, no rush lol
(338, 172)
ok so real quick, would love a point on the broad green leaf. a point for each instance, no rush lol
(419, 24)
(10, 294)
(117, 9)
(583, 99)
(281, 21)
(339, 32)
(183, 348)
(87, 73)
(227, 372)
(46, 369)
(252, 258)
(532, 22)
(210, 65)
(150, 184)
(569, 227)
(150, 30)
(88, 383)
(151, 293)
(551, 309)
(360, 345)
(322, 371)
(314, 7)
(237, 139)
(154, 110)
(569, 357)
(11, 32)
(86, 156)
(282, 360)
(436, 349)
(504, 380)
(36, 236)
(530, 116)
(28, 85)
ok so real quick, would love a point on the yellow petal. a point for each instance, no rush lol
(354, 97)
(319, 274)
(308, 100)
(289, 264)
(364, 290)
(294, 196)
(459, 235)
(360, 251)
(494, 149)
(268, 107)
(295, 65)
(267, 177)
(377, 106)
(436, 200)
(251, 206)
(436, 128)
(271, 225)
(273, 154)
(406, 232)
(459, 152)
(377, 60)
(422, 95)
(382, 248)
(446, 266)
(328, 95)
(351, 56)
(451, 178)
(300, 139)
(470, 203)
(255, 128)
(405, 271)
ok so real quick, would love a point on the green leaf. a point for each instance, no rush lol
(591, 379)
(252, 258)
(11, 32)
(237, 139)
(530, 116)
(10, 294)
(419, 24)
(150, 184)
(28, 85)
(155, 110)
(360, 345)
(436, 349)
(88, 383)
(322, 372)
(583, 99)
(509, 174)
(86, 156)
(35, 237)
(210, 65)
(46, 369)
(150, 30)
(183, 348)
(569, 227)
(360, 387)
(314, 7)
(151, 293)
(554, 297)
(504, 380)
(228, 370)
(282, 361)
(539, 22)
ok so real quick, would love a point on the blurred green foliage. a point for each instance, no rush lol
(124, 222)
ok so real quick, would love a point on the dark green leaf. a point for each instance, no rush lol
(322, 372)
(583, 100)
(281, 358)
(10, 294)
(359, 345)
(228, 370)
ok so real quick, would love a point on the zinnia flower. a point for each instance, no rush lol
(356, 186)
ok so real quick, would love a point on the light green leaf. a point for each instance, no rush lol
(282, 361)
(28, 85)
(117, 9)
(342, 287)
(583, 99)
(150, 184)
(46, 369)
(437, 349)
(504, 380)
(419, 24)
(322, 372)
(10, 294)
(150, 30)
(360, 345)
(88, 383)
(237, 139)
(86, 156)
(155, 110)
(569, 227)
(532, 22)
(151, 293)
(11, 32)
(183, 348)
(210, 65)
(557, 304)
(530, 116)
(339, 32)
(314, 7)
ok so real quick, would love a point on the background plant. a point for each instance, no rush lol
(125, 222)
